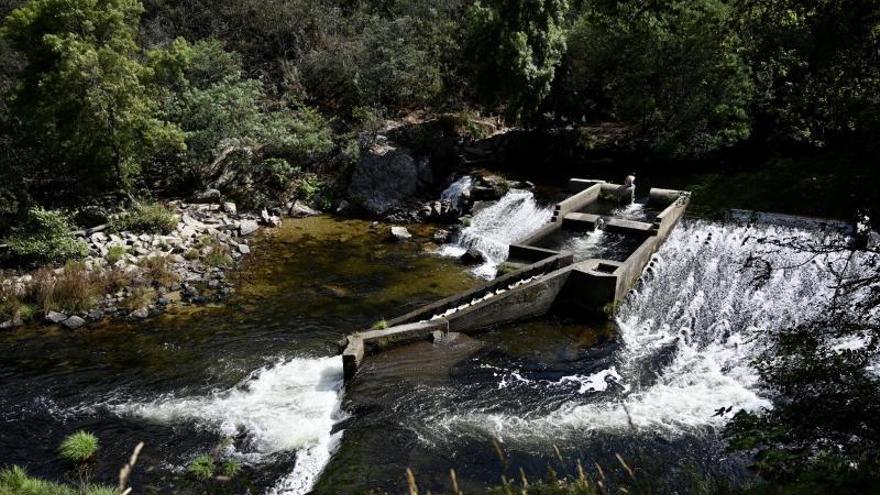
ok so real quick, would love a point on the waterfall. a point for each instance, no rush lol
(514, 217)
(291, 406)
(690, 334)
(456, 190)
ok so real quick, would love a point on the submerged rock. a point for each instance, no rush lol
(300, 210)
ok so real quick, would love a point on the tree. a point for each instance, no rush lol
(822, 433)
(671, 70)
(82, 95)
(515, 47)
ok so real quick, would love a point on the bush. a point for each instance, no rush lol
(115, 253)
(152, 218)
(158, 269)
(75, 288)
(140, 297)
(78, 447)
(45, 238)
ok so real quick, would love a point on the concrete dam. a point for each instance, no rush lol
(563, 266)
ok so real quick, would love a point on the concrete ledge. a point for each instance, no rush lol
(578, 201)
(578, 185)
(427, 312)
(587, 221)
(530, 254)
(372, 341)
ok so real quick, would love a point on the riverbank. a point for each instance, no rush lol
(134, 275)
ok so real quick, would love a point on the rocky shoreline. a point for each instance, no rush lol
(141, 273)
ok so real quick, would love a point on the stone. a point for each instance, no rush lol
(11, 323)
(95, 314)
(207, 196)
(247, 227)
(73, 322)
(381, 180)
(55, 317)
(400, 233)
(472, 257)
(229, 207)
(98, 237)
(140, 314)
(244, 249)
(300, 210)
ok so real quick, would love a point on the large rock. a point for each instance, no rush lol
(247, 227)
(381, 181)
(301, 210)
(55, 317)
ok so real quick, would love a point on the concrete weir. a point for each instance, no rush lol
(546, 279)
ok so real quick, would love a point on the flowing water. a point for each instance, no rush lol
(515, 216)
(253, 380)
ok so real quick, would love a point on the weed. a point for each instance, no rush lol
(78, 447)
(230, 468)
(15, 481)
(192, 254)
(380, 325)
(218, 256)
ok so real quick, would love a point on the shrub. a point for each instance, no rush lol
(10, 304)
(152, 218)
(45, 238)
(202, 467)
(230, 468)
(218, 256)
(78, 447)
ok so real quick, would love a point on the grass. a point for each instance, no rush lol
(380, 325)
(150, 218)
(202, 467)
(75, 288)
(218, 256)
(78, 447)
(15, 481)
(158, 269)
(140, 297)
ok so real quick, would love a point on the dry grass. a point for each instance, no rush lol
(158, 269)
(140, 297)
(10, 303)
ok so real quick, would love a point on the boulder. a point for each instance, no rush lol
(442, 235)
(247, 227)
(244, 249)
(400, 233)
(472, 257)
(11, 323)
(207, 196)
(229, 207)
(73, 322)
(301, 210)
(381, 180)
(140, 314)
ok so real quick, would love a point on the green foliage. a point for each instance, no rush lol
(230, 468)
(45, 237)
(15, 481)
(674, 71)
(202, 467)
(152, 218)
(238, 139)
(115, 253)
(78, 447)
(82, 95)
(516, 46)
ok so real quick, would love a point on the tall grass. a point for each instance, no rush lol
(79, 447)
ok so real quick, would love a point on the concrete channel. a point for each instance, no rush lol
(544, 280)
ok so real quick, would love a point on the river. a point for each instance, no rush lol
(254, 379)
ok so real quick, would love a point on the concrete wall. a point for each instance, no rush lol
(362, 344)
(547, 265)
(576, 202)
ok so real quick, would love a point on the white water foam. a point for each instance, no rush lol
(457, 189)
(702, 308)
(291, 406)
(514, 217)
